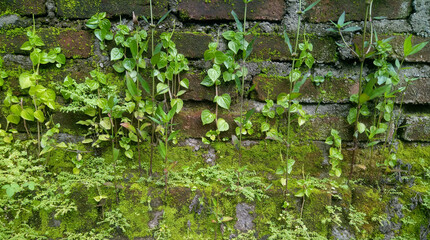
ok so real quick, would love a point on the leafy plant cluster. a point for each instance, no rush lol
(152, 73)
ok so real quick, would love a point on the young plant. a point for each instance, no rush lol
(288, 101)
(42, 98)
(163, 120)
(152, 102)
(376, 85)
(336, 155)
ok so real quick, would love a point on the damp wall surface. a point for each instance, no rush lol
(196, 23)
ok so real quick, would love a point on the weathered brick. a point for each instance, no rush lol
(421, 56)
(77, 69)
(198, 92)
(397, 43)
(192, 45)
(337, 90)
(24, 7)
(85, 9)
(318, 128)
(418, 92)
(272, 10)
(417, 128)
(355, 10)
(273, 47)
(190, 123)
(73, 43)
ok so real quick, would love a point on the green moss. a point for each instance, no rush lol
(314, 210)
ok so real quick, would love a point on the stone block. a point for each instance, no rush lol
(417, 128)
(85, 9)
(397, 44)
(272, 10)
(337, 90)
(23, 7)
(273, 47)
(327, 10)
(73, 43)
(192, 45)
(417, 93)
(198, 92)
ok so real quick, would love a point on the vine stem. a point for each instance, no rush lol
(360, 80)
(242, 85)
(296, 45)
(152, 93)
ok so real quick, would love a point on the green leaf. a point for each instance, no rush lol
(229, 35)
(105, 123)
(220, 57)
(361, 127)
(265, 127)
(163, 17)
(99, 198)
(233, 46)
(116, 54)
(131, 86)
(143, 83)
(287, 40)
(299, 84)
(363, 98)
(407, 46)
(352, 115)
(26, 46)
(15, 119)
(104, 137)
(179, 104)
(92, 84)
(341, 19)
(129, 64)
(27, 114)
(129, 153)
(311, 6)
(283, 100)
(207, 117)
(238, 23)
(222, 125)
(214, 74)
(290, 164)
(133, 47)
(15, 109)
(185, 83)
(162, 88)
(26, 80)
(223, 100)
(39, 116)
(351, 29)
(379, 91)
(417, 48)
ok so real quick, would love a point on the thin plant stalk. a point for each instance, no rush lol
(242, 85)
(362, 58)
(152, 93)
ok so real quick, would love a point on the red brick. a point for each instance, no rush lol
(24, 7)
(355, 10)
(337, 90)
(418, 92)
(85, 9)
(272, 10)
(273, 47)
(73, 43)
(192, 45)
(397, 44)
(198, 92)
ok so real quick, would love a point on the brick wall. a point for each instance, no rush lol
(197, 22)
